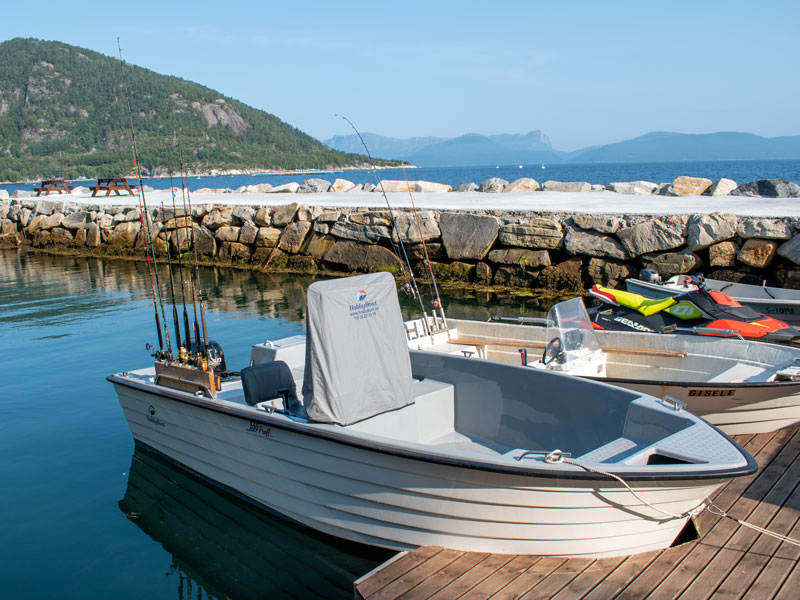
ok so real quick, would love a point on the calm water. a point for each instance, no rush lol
(738, 170)
(84, 516)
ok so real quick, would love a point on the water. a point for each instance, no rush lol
(84, 516)
(602, 173)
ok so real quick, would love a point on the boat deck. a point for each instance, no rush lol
(727, 560)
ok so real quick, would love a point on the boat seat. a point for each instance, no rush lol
(267, 381)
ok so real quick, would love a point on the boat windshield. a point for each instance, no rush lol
(569, 330)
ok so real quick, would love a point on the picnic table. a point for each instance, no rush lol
(52, 185)
(113, 184)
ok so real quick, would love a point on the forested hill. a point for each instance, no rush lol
(63, 113)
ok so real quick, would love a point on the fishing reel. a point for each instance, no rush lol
(408, 290)
(157, 354)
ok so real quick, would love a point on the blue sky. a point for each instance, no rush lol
(583, 72)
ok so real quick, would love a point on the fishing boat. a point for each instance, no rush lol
(741, 386)
(348, 431)
(781, 303)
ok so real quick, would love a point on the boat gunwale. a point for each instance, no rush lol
(742, 299)
(373, 446)
(694, 384)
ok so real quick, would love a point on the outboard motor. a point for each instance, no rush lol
(650, 276)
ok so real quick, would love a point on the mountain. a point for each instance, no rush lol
(469, 149)
(64, 112)
(668, 147)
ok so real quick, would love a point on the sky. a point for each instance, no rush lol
(584, 72)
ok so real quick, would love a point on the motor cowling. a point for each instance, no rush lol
(650, 276)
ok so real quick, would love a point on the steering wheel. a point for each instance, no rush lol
(553, 351)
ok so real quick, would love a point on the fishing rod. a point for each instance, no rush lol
(437, 302)
(176, 321)
(407, 287)
(188, 335)
(198, 290)
(188, 236)
(145, 218)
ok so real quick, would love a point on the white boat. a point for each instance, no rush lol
(398, 448)
(781, 303)
(738, 385)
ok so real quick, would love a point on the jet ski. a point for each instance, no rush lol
(700, 311)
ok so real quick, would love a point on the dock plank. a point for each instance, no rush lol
(728, 561)
(465, 582)
(765, 511)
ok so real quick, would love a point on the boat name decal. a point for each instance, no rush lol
(256, 427)
(712, 392)
(364, 310)
(151, 417)
(632, 324)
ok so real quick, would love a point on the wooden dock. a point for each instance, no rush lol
(727, 561)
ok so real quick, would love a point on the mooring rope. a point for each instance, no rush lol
(557, 457)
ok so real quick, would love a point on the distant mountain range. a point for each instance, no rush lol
(474, 149)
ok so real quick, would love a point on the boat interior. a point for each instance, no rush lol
(641, 356)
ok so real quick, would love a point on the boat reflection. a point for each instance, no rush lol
(223, 547)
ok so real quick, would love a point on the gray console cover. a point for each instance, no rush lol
(357, 360)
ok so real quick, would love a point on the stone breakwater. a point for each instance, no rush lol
(528, 249)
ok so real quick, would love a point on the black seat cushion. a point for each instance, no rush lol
(267, 381)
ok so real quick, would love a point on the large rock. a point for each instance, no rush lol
(227, 234)
(263, 217)
(565, 276)
(258, 188)
(603, 224)
(181, 240)
(722, 187)
(394, 185)
(319, 244)
(366, 234)
(314, 186)
(286, 188)
(523, 184)
(409, 229)
(244, 214)
(268, 236)
(632, 187)
(520, 256)
(7, 226)
(591, 243)
(608, 272)
(566, 186)
(466, 235)
(341, 185)
(233, 252)
(538, 233)
(771, 188)
(791, 250)
(723, 254)
(757, 253)
(672, 263)
(705, 230)
(359, 257)
(764, 227)
(493, 185)
(283, 215)
(380, 218)
(124, 234)
(92, 235)
(688, 186)
(248, 233)
(466, 187)
(219, 217)
(650, 236)
(4, 195)
(293, 236)
(76, 220)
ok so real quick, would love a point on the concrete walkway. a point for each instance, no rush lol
(567, 202)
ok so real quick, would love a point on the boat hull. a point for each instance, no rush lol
(379, 497)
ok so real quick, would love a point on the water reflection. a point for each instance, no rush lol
(240, 293)
(223, 547)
